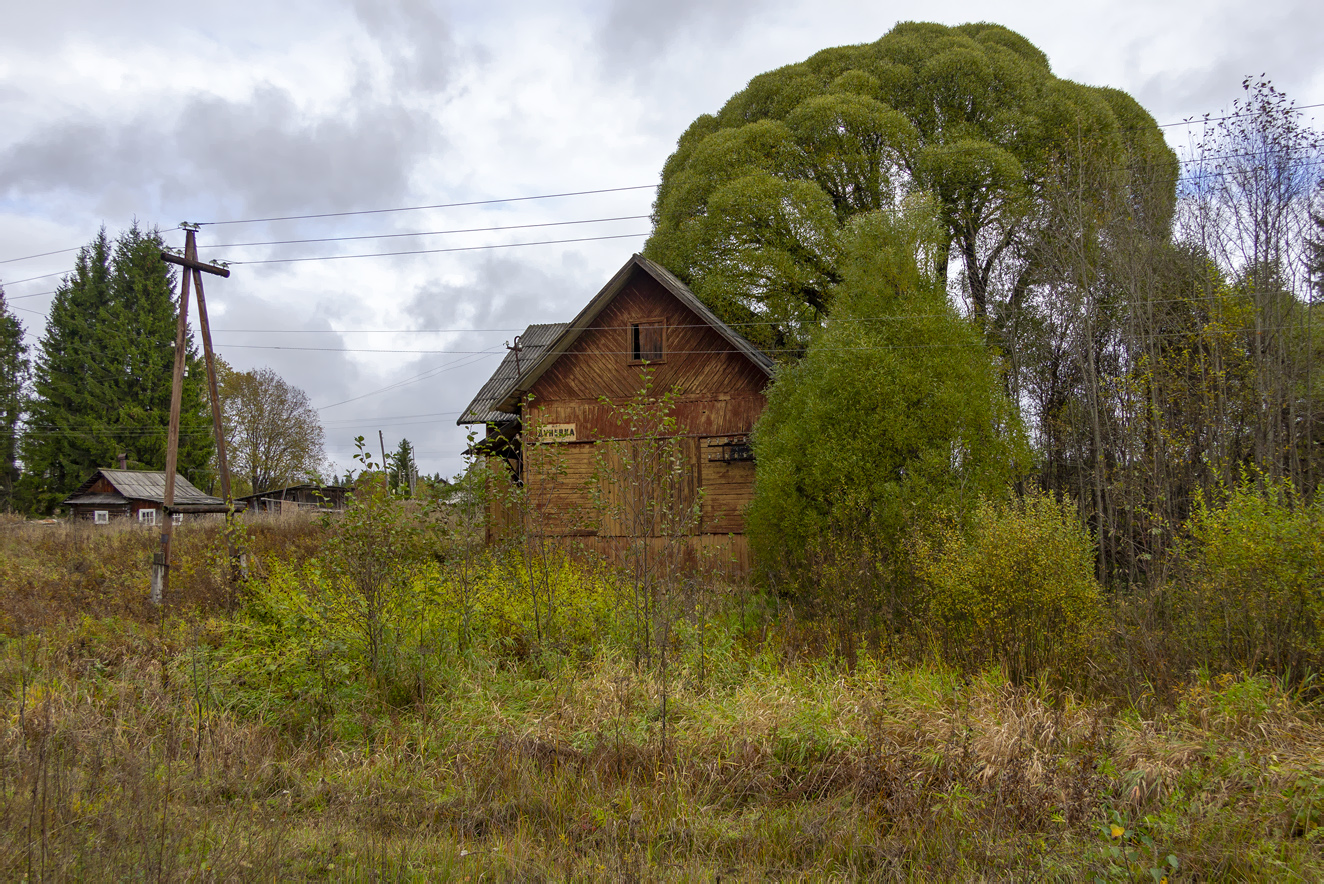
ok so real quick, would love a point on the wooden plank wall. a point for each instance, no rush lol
(582, 489)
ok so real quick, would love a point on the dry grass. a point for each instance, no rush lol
(114, 763)
(57, 572)
(126, 752)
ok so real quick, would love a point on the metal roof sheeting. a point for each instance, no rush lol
(533, 343)
(148, 485)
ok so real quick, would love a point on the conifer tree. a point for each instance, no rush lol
(101, 383)
(403, 469)
(13, 376)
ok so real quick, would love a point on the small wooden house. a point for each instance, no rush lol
(294, 498)
(134, 494)
(570, 384)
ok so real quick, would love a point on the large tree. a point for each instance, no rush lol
(101, 384)
(755, 199)
(273, 434)
(13, 376)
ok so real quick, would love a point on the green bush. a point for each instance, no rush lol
(1017, 589)
(1253, 597)
(895, 413)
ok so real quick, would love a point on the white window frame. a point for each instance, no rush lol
(147, 517)
(177, 519)
(100, 517)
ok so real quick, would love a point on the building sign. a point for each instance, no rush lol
(556, 433)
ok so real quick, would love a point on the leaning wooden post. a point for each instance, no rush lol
(236, 568)
(161, 563)
(192, 266)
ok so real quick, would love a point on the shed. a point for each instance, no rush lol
(292, 498)
(570, 382)
(137, 494)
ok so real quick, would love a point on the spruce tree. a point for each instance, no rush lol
(101, 385)
(13, 376)
(402, 467)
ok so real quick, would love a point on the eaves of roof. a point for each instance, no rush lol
(508, 399)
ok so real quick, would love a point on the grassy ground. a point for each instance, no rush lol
(245, 740)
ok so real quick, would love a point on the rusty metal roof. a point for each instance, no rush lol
(533, 343)
(148, 485)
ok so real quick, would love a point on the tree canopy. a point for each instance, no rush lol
(13, 376)
(273, 434)
(756, 198)
(101, 383)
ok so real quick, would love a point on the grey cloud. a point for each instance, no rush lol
(255, 156)
(505, 293)
(636, 33)
(415, 37)
(1279, 40)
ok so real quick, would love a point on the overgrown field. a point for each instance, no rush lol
(512, 716)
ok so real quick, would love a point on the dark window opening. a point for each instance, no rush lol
(646, 341)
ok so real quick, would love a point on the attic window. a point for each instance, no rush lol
(646, 341)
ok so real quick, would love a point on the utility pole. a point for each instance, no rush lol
(193, 270)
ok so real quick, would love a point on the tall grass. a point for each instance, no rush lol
(261, 737)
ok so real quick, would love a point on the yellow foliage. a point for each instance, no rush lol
(1018, 589)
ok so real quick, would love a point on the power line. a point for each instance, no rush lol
(42, 255)
(1203, 120)
(287, 242)
(31, 278)
(513, 199)
(509, 245)
(431, 372)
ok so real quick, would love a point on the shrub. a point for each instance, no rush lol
(1017, 588)
(894, 414)
(1253, 598)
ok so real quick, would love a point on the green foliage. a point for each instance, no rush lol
(1254, 597)
(894, 415)
(1017, 589)
(755, 199)
(273, 433)
(403, 471)
(375, 550)
(101, 383)
(13, 376)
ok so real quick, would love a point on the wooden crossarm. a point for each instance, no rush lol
(170, 258)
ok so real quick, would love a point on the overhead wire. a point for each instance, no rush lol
(456, 205)
(549, 242)
(286, 242)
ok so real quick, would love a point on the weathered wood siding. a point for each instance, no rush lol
(720, 396)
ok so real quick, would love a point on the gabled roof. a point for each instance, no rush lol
(532, 344)
(502, 393)
(146, 485)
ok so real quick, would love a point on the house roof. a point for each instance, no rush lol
(503, 391)
(533, 343)
(147, 485)
(276, 492)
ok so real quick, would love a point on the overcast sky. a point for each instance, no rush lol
(240, 110)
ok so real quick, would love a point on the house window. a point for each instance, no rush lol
(646, 341)
(177, 519)
(101, 517)
(147, 517)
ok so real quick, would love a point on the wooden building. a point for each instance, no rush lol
(294, 498)
(571, 384)
(134, 494)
